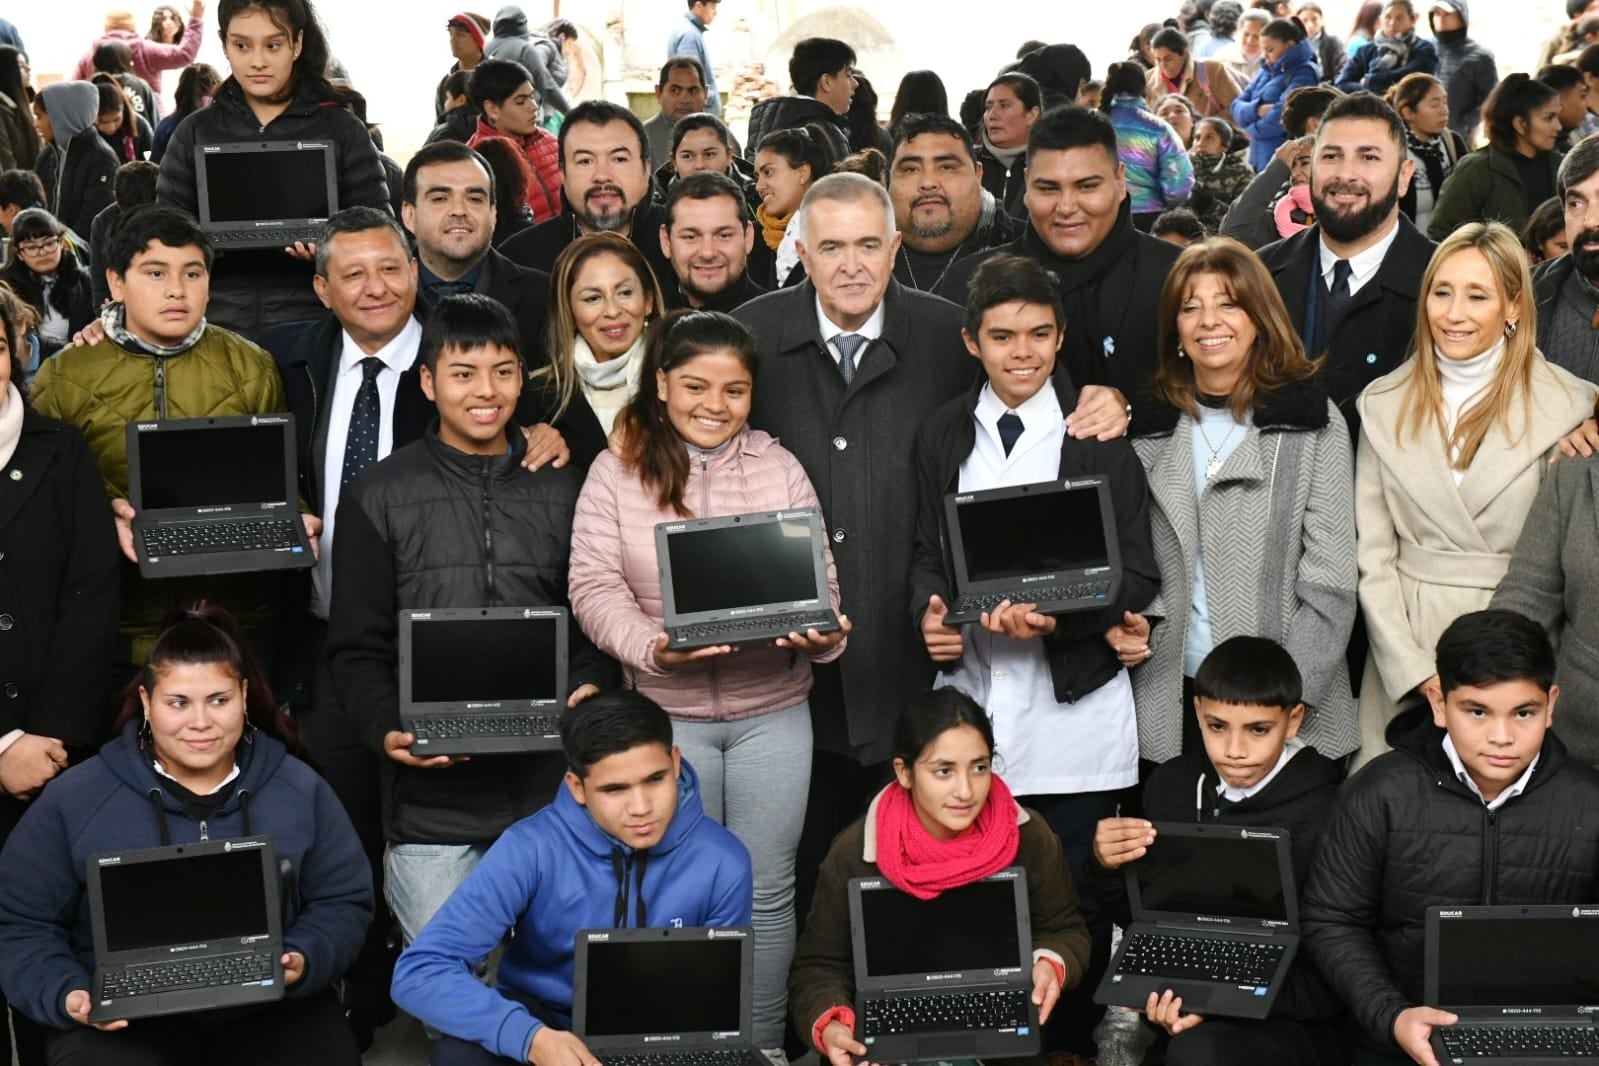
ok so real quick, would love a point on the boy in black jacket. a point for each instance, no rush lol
(1480, 805)
(1061, 702)
(452, 520)
(1253, 771)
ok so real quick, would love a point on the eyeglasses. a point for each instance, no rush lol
(38, 249)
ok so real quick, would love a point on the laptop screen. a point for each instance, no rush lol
(1232, 876)
(695, 986)
(746, 565)
(968, 928)
(247, 186)
(465, 660)
(1518, 962)
(212, 467)
(1036, 533)
(155, 904)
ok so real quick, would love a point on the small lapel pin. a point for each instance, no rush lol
(1110, 346)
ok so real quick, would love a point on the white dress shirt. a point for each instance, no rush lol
(1044, 747)
(1504, 797)
(398, 356)
(872, 329)
(1363, 266)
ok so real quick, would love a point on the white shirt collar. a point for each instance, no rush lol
(872, 329)
(1500, 800)
(1237, 795)
(1040, 409)
(398, 355)
(233, 773)
(1363, 265)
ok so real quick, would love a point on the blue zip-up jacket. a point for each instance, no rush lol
(116, 802)
(1298, 66)
(548, 876)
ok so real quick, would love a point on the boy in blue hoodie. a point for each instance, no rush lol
(630, 807)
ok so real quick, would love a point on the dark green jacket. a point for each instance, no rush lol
(1483, 187)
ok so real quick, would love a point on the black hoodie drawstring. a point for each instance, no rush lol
(619, 919)
(638, 883)
(161, 816)
(244, 809)
(619, 869)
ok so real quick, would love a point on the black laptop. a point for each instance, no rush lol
(1215, 920)
(945, 978)
(216, 496)
(699, 1007)
(1051, 543)
(185, 928)
(743, 579)
(1524, 982)
(483, 680)
(265, 194)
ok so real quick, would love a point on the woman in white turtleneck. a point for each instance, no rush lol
(602, 297)
(1454, 444)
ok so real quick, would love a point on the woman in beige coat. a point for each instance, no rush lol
(1453, 447)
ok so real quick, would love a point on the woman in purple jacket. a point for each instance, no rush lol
(741, 714)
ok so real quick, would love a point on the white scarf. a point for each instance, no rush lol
(10, 423)
(1006, 156)
(613, 373)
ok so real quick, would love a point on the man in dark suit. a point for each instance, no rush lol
(1080, 228)
(1351, 281)
(851, 363)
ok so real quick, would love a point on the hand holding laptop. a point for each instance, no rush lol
(841, 1047)
(1166, 1011)
(667, 659)
(556, 1047)
(304, 251)
(124, 513)
(1046, 988)
(1018, 621)
(1119, 841)
(78, 1004)
(811, 642)
(397, 746)
(1413, 1032)
(944, 643)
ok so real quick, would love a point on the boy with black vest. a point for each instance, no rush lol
(452, 520)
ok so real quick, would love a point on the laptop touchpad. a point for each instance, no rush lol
(946, 1047)
(1195, 997)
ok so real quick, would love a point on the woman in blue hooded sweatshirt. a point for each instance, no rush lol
(203, 754)
(1290, 63)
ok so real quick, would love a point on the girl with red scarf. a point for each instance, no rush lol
(945, 821)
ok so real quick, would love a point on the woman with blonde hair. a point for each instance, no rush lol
(1453, 448)
(1249, 473)
(602, 296)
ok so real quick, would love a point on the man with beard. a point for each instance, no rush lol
(1350, 282)
(707, 238)
(605, 171)
(1567, 288)
(1080, 227)
(940, 206)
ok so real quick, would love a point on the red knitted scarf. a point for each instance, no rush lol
(914, 862)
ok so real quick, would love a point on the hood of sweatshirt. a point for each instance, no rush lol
(258, 759)
(586, 831)
(510, 21)
(72, 106)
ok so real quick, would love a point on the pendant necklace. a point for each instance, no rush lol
(1213, 464)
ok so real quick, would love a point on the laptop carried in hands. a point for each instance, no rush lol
(216, 496)
(699, 1007)
(743, 579)
(183, 928)
(265, 194)
(1523, 980)
(483, 680)
(1051, 543)
(945, 978)
(1215, 920)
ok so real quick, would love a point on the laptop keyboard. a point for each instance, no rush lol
(734, 629)
(464, 726)
(204, 538)
(1197, 958)
(948, 1012)
(726, 1057)
(1087, 590)
(283, 237)
(1519, 1041)
(216, 971)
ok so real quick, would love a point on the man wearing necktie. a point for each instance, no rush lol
(851, 363)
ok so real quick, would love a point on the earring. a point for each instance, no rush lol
(1180, 353)
(146, 736)
(1510, 329)
(249, 732)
